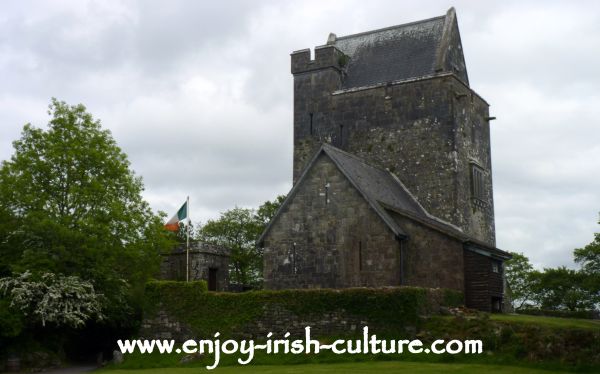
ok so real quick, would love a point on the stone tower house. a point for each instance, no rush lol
(400, 99)
(392, 168)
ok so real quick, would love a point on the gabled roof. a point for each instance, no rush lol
(379, 188)
(376, 184)
(384, 193)
(357, 173)
(397, 53)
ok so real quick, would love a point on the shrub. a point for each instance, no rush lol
(52, 298)
(11, 320)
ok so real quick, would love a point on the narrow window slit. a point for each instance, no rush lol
(360, 255)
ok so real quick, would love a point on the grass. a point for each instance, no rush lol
(352, 368)
(556, 322)
(508, 350)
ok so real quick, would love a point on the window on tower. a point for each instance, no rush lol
(477, 182)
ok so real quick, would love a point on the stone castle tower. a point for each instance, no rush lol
(399, 98)
(392, 169)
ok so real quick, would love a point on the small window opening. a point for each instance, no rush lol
(311, 123)
(294, 267)
(477, 182)
(360, 261)
(496, 267)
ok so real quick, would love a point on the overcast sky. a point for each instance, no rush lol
(199, 95)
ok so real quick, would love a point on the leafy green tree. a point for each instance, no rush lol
(181, 234)
(588, 258)
(11, 321)
(71, 205)
(560, 289)
(267, 211)
(238, 229)
(519, 276)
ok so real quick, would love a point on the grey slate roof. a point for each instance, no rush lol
(379, 185)
(380, 188)
(392, 54)
(384, 192)
(388, 194)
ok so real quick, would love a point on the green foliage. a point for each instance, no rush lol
(561, 288)
(520, 339)
(452, 298)
(518, 271)
(53, 299)
(209, 312)
(528, 341)
(70, 205)
(589, 259)
(11, 320)
(238, 229)
(343, 60)
(267, 211)
(182, 233)
(589, 256)
(555, 289)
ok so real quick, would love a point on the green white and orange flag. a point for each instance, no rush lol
(182, 213)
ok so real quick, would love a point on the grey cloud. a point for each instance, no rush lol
(199, 95)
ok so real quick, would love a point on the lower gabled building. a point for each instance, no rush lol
(349, 224)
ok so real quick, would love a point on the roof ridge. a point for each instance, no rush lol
(388, 28)
(328, 149)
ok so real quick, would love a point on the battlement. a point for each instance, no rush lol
(326, 56)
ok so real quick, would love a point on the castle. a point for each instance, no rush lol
(392, 169)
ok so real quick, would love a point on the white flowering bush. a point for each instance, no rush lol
(50, 298)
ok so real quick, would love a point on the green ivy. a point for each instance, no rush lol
(343, 60)
(207, 312)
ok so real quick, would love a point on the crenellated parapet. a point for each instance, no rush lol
(326, 56)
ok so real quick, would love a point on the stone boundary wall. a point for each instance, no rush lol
(253, 315)
(275, 319)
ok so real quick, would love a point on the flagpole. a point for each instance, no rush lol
(187, 243)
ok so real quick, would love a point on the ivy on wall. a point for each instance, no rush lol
(208, 312)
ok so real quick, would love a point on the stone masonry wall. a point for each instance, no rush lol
(331, 241)
(430, 258)
(472, 134)
(275, 319)
(203, 256)
(382, 309)
(164, 326)
(428, 132)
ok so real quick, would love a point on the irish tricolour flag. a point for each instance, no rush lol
(182, 213)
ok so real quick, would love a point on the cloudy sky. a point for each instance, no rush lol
(199, 95)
